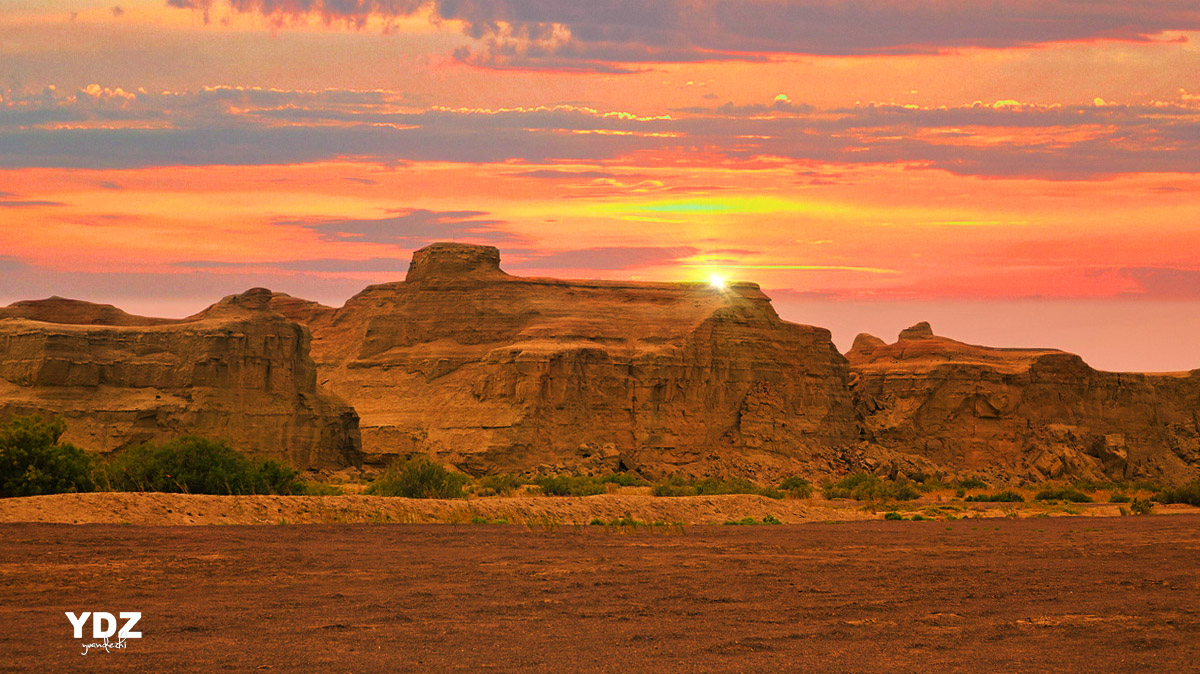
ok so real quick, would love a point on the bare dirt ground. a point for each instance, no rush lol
(197, 509)
(997, 595)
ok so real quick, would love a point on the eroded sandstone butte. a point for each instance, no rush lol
(1025, 413)
(492, 372)
(237, 371)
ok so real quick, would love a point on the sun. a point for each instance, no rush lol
(717, 281)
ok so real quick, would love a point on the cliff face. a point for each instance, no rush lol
(238, 371)
(1032, 414)
(493, 372)
(497, 373)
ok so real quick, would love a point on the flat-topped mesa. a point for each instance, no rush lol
(1030, 414)
(492, 372)
(446, 261)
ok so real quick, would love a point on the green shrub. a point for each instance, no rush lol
(193, 465)
(503, 484)
(1062, 494)
(747, 521)
(1189, 494)
(1119, 498)
(796, 487)
(971, 483)
(1006, 496)
(893, 516)
(572, 485)
(771, 519)
(312, 488)
(34, 460)
(868, 487)
(1141, 506)
(1092, 486)
(711, 486)
(418, 477)
(919, 518)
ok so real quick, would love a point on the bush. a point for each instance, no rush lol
(893, 516)
(1141, 506)
(574, 485)
(1189, 494)
(34, 461)
(1092, 486)
(711, 486)
(745, 521)
(1006, 496)
(867, 487)
(796, 487)
(971, 483)
(418, 477)
(1062, 494)
(193, 465)
(501, 484)
(1119, 498)
(771, 519)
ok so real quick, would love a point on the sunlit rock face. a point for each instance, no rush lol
(492, 372)
(237, 371)
(1023, 413)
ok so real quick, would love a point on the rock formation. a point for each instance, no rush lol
(492, 372)
(1024, 413)
(238, 371)
(497, 373)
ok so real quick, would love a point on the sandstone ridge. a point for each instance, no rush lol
(238, 371)
(492, 372)
(1029, 414)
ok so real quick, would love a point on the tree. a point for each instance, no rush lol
(34, 460)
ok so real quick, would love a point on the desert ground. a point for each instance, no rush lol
(633, 503)
(1057, 594)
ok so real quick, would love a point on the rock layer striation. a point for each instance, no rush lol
(492, 372)
(238, 371)
(1026, 413)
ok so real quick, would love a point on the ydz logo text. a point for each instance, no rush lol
(104, 626)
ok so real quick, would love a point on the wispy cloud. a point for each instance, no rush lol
(1002, 138)
(411, 228)
(608, 258)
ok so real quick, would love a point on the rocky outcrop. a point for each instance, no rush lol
(238, 371)
(492, 372)
(1025, 413)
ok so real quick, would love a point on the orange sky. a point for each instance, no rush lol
(1022, 173)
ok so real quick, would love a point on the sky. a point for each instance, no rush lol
(1017, 172)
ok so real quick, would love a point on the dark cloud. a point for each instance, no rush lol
(323, 265)
(1165, 282)
(6, 203)
(411, 228)
(614, 35)
(608, 258)
(11, 264)
(1063, 142)
(555, 174)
